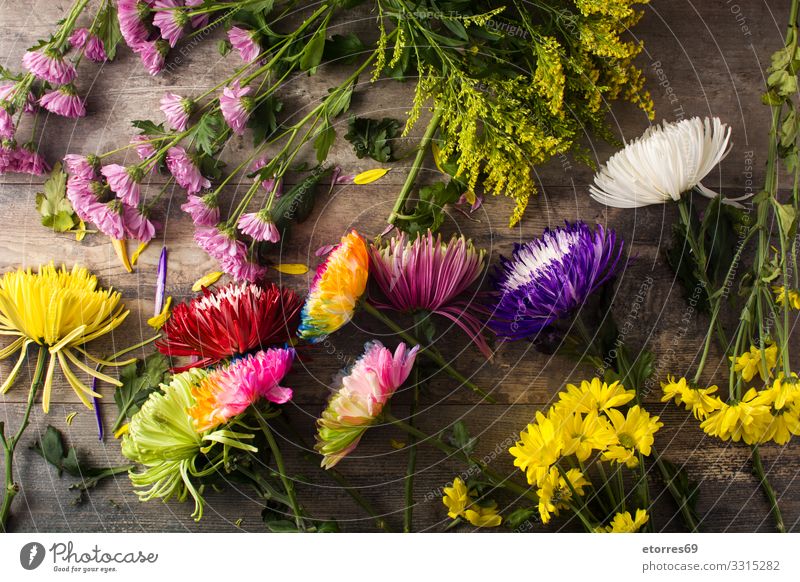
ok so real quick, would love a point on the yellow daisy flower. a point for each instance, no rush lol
(699, 400)
(456, 498)
(784, 422)
(594, 395)
(483, 515)
(555, 494)
(786, 389)
(744, 420)
(581, 434)
(625, 523)
(750, 363)
(539, 447)
(460, 503)
(781, 295)
(634, 435)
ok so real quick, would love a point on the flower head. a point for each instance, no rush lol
(625, 523)
(137, 225)
(81, 167)
(231, 320)
(259, 226)
(549, 278)
(427, 274)
(460, 502)
(203, 210)
(144, 146)
(594, 395)
(153, 55)
(7, 127)
(236, 106)
(92, 46)
(555, 493)
(59, 310)
(185, 171)
(124, 182)
(131, 15)
(540, 446)
(242, 267)
(177, 110)
(782, 294)
(219, 243)
(229, 391)
(662, 164)
(699, 400)
(28, 161)
(360, 397)
(63, 101)
(245, 42)
(49, 65)
(634, 432)
(170, 19)
(339, 283)
(754, 362)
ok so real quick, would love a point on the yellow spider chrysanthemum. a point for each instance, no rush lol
(555, 493)
(747, 420)
(634, 434)
(60, 311)
(781, 295)
(625, 523)
(581, 434)
(699, 400)
(539, 447)
(460, 502)
(339, 284)
(750, 363)
(594, 395)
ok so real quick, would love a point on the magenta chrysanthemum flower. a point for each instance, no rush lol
(144, 146)
(198, 20)
(228, 392)
(245, 42)
(27, 161)
(242, 268)
(136, 224)
(549, 278)
(131, 15)
(185, 172)
(63, 101)
(428, 275)
(177, 110)
(7, 128)
(92, 46)
(360, 397)
(203, 210)
(49, 65)
(219, 243)
(80, 167)
(6, 157)
(81, 187)
(107, 218)
(8, 93)
(170, 19)
(124, 182)
(259, 226)
(153, 55)
(236, 106)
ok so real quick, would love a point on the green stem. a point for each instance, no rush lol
(429, 352)
(11, 489)
(288, 484)
(681, 500)
(422, 149)
(411, 468)
(758, 467)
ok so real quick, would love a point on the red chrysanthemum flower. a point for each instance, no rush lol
(234, 319)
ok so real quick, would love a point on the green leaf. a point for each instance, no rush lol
(324, 141)
(281, 526)
(139, 380)
(788, 220)
(53, 205)
(338, 100)
(264, 119)
(107, 29)
(687, 491)
(372, 137)
(147, 127)
(343, 49)
(51, 447)
(459, 437)
(207, 133)
(429, 212)
(313, 51)
(224, 47)
(519, 516)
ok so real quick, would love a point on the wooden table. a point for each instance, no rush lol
(701, 58)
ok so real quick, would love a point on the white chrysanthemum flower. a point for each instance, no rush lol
(662, 164)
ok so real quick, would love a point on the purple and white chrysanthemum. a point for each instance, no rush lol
(548, 278)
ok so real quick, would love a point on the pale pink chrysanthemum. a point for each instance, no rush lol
(236, 106)
(143, 144)
(124, 182)
(244, 41)
(63, 101)
(170, 19)
(177, 110)
(136, 224)
(198, 20)
(426, 274)
(259, 226)
(6, 157)
(81, 192)
(228, 392)
(7, 128)
(130, 14)
(107, 218)
(153, 55)
(185, 172)
(27, 161)
(49, 65)
(80, 167)
(203, 210)
(219, 243)
(91, 44)
(360, 397)
(78, 38)
(240, 267)
(8, 93)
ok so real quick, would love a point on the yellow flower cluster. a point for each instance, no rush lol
(760, 416)
(782, 294)
(460, 502)
(752, 362)
(555, 492)
(625, 522)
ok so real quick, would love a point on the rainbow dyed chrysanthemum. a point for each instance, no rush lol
(339, 283)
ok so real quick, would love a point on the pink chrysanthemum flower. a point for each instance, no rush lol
(219, 243)
(131, 15)
(124, 182)
(80, 167)
(81, 188)
(63, 101)
(360, 397)
(6, 157)
(203, 210)
(27, 161)
(241, 268)
(153, 55)
(268, 184)
(236, 106)
(185, 172)
(245, 42)
(136, 224)
(7, 128)
(228, 392)
(144, 146)
(107, 218)
(170, 19)
(428, 275)
(8, 93)
(177, 110)
(259, 226)
(198, 20)
(49, 65)
(92, 46)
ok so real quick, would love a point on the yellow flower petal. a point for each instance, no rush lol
(470, 197)
(121, 246)
(292, 268)
(437, 156)
(70, 417)
(207, 280)
(158, 321)
(370, 176)
(138, 252)
(122, 430)
(397, 445)
(80, 234)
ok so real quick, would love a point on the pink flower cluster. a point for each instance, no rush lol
(222, 244)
